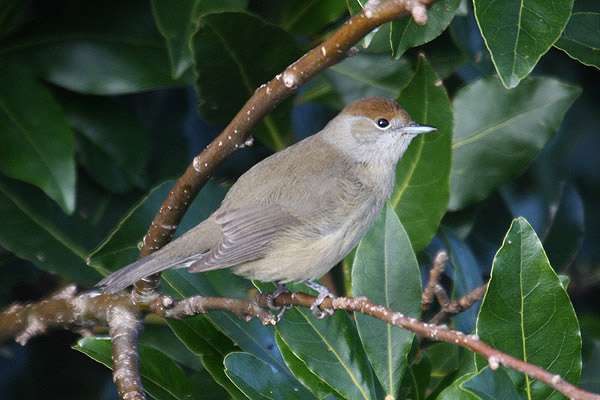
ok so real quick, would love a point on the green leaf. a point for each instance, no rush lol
(232, 61)
(405, 32)
(98, 50)
(581, 38)
(299, 369)
(384, 259)
(491, 385)
(214, 365)
(162, 377)
(416, 378)
(37, 143)
(331, 350)
(421, 194)
(121, 247)
(113, 150)
(518, 32)
(494, 144)
(34, 228)
(312, 16)
(527, 313)
(254, 376)
(177, 20)
(444, 54)
(456, 391)
(201, 337)
(368, 75)
(162, 338)
(252, 337)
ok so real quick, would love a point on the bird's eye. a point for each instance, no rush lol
(383, 123)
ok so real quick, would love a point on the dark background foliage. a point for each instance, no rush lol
(113, 98)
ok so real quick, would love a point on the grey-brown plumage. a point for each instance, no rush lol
(297, 213)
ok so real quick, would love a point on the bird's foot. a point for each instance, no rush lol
(281, 288)
(323, 294)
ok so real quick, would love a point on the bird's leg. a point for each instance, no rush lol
(323, 293)
(281, 288)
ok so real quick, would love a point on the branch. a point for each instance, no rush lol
(434, 332)
(264, 99)
(434, 289)
(124, 328)
(90, 309)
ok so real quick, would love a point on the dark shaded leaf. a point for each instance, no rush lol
(37, 143)
(161, 376)
(254, 376)
(231, 61)
(178, 19)
(113, 146)
(97, 49)
(494, 144)
(35, 229)
(491, 385)
(581, 38)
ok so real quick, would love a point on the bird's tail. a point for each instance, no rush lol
(133, 272)
(177, 254)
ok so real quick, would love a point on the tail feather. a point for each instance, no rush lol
(130, 274)
(177, 254)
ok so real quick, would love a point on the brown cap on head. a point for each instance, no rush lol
(375, 107)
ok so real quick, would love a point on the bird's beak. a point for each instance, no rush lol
(417, 129)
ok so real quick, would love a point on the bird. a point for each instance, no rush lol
(296, 214)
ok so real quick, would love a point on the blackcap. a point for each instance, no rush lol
(297, 213)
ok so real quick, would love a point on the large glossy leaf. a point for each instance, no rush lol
(257, 379)
(202, 338)
(37, 143)
(97, 49)
(420, 196)
(214, 365)
(527, 313)
(498, 132)
(231, 60)
(386, 271)
(34, 228)
(405, 32)
(162, 377)
(580, 38)
(112, 150)
(518, 32)
(330, 348)
(177, 20)
(299, 369)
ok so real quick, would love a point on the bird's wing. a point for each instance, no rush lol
(247, 234)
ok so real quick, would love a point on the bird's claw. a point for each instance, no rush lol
(281, 288)
(323, 294)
